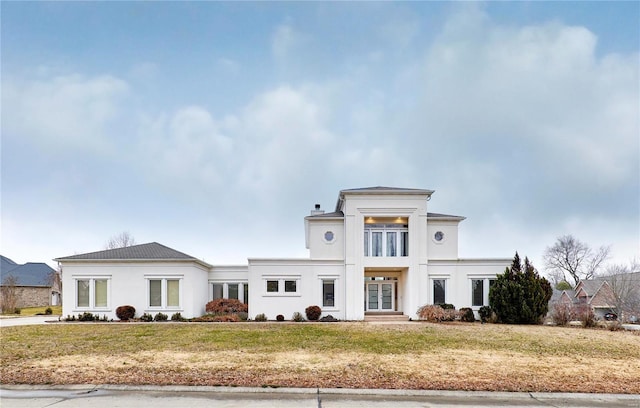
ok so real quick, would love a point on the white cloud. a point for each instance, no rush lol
(520, 128)
(284, 40)
(536, 93)
(63, 111)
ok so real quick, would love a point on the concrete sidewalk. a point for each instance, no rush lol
(103, 396)
(26, 321)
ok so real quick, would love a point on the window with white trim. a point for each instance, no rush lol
(386, 240)
(328, 292)
(439, 291)
(230, 290)
(477, 292)
(273, 286)
(92, 293)
(282, 286)
(480, 291)
(290, 286)
(233, 291)
(218, 291)
(164, 293)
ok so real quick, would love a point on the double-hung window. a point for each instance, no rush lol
(92, 293)
(164, 293)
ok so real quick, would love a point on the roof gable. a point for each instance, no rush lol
(590, 286)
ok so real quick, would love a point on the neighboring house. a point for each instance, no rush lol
(34, 283)
(378, 252)
(597, 294)
(609, 294)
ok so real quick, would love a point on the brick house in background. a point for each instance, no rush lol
(604, 295)
(33, 283)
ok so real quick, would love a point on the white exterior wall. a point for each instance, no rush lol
(341, 259)
(225, 275)
(458, 275)
(127, 284)
(447, 248)
(319, 247)
(357, 208)
(308, 275)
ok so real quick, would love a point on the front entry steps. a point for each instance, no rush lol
(385, 317)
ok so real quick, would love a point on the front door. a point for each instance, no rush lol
(380, 297)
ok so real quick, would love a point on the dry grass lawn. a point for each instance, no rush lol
(352, 355)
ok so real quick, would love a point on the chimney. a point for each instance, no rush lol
(317, 210)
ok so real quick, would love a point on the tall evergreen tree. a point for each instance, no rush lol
(520, 295)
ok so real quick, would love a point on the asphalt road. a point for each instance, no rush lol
(226, 397)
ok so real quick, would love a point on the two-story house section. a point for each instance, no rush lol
(379, 252)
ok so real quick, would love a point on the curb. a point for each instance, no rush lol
(325, 391)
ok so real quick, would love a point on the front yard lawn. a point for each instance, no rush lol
(32, 311)
(454, 356)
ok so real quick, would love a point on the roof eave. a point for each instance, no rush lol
(137, 260)
(380, 191)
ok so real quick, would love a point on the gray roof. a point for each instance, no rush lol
(591, 286)
(6, 264)
(150, 251)
(438, 215)
(335, 214)
(29, 274)
(382, 189)
(340, 214)
(557, 294)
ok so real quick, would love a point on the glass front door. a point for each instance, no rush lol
(380, 296)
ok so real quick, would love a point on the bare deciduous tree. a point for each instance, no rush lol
(575, 259)
(624, 281)
(8, 294)
(123, 239)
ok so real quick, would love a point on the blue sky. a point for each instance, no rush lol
(214, 127)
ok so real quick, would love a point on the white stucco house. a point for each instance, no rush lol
(379, 252)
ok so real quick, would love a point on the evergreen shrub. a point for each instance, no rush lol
(466, 315)
(520, 295)
(485, 313)
(177, 317)
(160, 317)
(146, 317)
